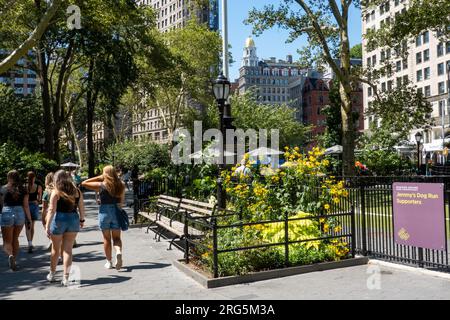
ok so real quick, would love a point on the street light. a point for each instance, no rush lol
(419, 138)
(221, 89)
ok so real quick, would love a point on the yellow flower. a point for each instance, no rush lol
(338, 229)
(336, 200)
(326, 228)
(327, 206)
(322, 220)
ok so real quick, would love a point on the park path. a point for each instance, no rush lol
(148, 274)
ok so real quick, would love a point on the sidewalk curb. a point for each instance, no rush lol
(435, 274)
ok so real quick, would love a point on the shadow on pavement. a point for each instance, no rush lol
(33, 269)
(100, 281)
(145, 266)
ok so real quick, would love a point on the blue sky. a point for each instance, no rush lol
(271, 43)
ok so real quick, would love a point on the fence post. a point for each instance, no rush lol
(286, 239)
(186, 237)
(362, 213)
(215, 256)
(353, 227)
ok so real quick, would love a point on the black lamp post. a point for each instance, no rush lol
(221, 89)
(418, 137)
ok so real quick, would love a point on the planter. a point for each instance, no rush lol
(206, 281)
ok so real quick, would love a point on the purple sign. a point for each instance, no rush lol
(419, 215)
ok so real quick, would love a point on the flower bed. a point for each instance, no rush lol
(287, 217)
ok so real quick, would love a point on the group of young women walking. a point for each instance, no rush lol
(63, 215)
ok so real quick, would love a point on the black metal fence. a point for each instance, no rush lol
(217, 223)
(373, 201)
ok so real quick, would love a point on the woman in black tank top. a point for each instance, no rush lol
(64, 219)
(34, 197)
(112, 194)
(15, 212)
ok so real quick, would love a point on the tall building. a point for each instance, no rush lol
(270, 79)
(22, 79)
(171, 14)
(424, 67)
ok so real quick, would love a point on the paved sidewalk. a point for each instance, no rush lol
(149, 274)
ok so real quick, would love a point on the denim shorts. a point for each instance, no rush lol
(34, 211)
(12, 216)
(107, 218)
(65, 222)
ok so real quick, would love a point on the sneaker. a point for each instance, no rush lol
(65, 282)
(51, 276)
(108, 264)
(12, 263)
(118, 261)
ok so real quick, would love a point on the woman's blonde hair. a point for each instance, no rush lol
(112, 183)
(49, 182)
(64, 187)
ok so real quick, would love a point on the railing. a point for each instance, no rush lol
(216, 224)
(373, 201)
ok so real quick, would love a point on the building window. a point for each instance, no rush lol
(440, 69)
(419, 75)
(447, 47)
(426, 55)
(405, 64)
(440, 49)
(426, 37)
(369, 91)
(399, 66)
(405, 80)
(427, 73)
(418, 41)
(383, 87)
(427, 91)
(441, 87)
(418, 57)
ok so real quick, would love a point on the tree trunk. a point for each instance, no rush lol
(77, 143)
(46, 104)
(345, 92)
(90, 123)
(348, 139)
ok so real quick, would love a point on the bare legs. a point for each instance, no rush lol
(11, 242)
(64, 243)
(30, 232)
(113, 238)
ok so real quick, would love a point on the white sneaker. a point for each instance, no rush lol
(51, 276)
(65, 282)
(119, 261)
(108, 265)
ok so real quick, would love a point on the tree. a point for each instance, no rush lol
(327, 26)
(20, 119)
(356, 51)
(195, 54)
(420, 16)
(8, 10)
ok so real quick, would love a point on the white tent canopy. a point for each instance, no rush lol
(70, 165)
(264, 151)
(334, 150)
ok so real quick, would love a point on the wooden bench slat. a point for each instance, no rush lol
(169, 198)
(192, 209)
(169, 203)
(198, 203)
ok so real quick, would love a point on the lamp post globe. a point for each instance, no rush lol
(221, 88)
